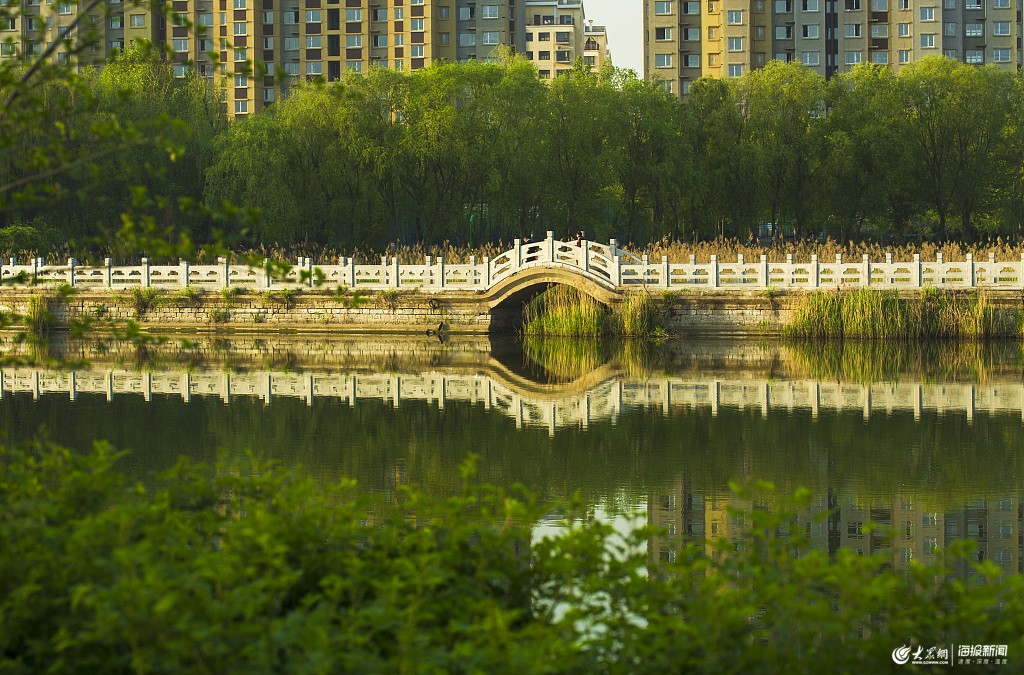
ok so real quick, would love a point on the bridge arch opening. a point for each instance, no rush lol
(507, 312)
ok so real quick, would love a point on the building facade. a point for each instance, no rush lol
(595, 46)
(687, 39)
(256, 49)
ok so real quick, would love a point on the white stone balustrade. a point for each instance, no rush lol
(605, 264)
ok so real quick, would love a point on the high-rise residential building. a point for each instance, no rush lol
(687, 39)
(554, 35)
(254, 49)
(595, 46)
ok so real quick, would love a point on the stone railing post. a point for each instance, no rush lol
(225, 272)
(666, 279)
(940, 265)
(839, 270)
(789, 269)
(35, 270)
(713, 272)
(71, 271)
(145, 273)
(351, 273)
(473, 272)
(762, 272)
(889, 279)
(616, 268)
(268, 280)
(108, 272)
(915, 271)
(487, 271)
(183, 272)
(550, 248)
(586, 256)
(815, 271)
(440, 272)
(969, 271)
(385, 272)
(428, 275)
(866, 269)
(517, 254)
(309, 271)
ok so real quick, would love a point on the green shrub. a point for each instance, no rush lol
(563, 311)
(143, 300)
(243, 568)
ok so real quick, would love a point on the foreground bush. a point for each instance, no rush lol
(234, 569)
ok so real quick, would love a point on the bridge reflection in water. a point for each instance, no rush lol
(603, 395)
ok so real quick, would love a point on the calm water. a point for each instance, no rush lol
(927, 440)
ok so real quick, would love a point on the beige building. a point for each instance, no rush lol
(595, 46)
(255, 49)
(684, 39)
(554, 35)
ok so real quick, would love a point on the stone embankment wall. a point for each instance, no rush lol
(310, 311)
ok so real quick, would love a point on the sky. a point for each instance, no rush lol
(624, 19)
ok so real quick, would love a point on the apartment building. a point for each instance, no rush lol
(687, 39)
(595, 46)
(255, 49)
(554, 35)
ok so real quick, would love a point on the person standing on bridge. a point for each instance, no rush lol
(579, 239)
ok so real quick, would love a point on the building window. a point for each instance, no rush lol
(241, 81)
(351, 41)
(116, 23)
(974, 30)
(735, 17)
(691, 35)
(662, 60)
(974, 56)
(239, 4)
(291, 44)
(375, 14)
(662, 34)
(314, 68)
(354, 15)
(312, 16)
(268, 17)
(467, 39)
(490, 37)
(180, 70)
(240, 54)
(1000, 55)
(400, 14)
(783, 32)
(691, 8)
(735, 70)
(380, 40)
(852, 30)
(851, 58)
(315, 42)
(810, 5)
(291, 18)
(135, 20)
(949, 29)
(444, 38)
(241, 107)
(810, 58)
(928, 41)
(927, 14)
(490, 12)
(417, 51)
(1001, 28)
(879, 30)
(291, 68)
(181, 45)
(713, 60)
(691, 60)
(239, 28)
(661, 8)
(544, 37)
(416, 25)
(399, 40)
(880, 57)
(903, 30)
(879, 5)
(904, 56)
(1000, 4)
(810, 31)
(735, 44)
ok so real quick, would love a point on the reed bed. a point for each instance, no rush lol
(866, 314)
(563, 311)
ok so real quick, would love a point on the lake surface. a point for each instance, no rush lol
(925, 440)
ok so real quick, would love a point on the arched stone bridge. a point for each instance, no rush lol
(604, 271)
